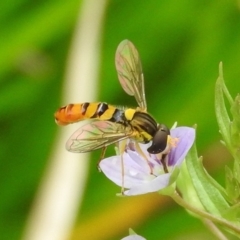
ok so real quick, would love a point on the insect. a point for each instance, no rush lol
(110, 124)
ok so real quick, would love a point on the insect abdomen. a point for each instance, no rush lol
(72, 113)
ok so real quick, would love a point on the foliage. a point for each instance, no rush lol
(180, 44)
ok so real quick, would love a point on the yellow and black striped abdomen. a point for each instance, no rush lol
(72, 113)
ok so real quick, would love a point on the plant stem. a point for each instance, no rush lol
(176, 197)
(214, 229)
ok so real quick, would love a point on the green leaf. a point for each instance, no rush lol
(235, 127)
(233, 213)
(230, 131)
(215, 183)
(235, 110)
(210, 196)
(236, 170)
(232, 185)
(221, 111)
(186, 187)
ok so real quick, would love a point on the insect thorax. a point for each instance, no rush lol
(144, 125)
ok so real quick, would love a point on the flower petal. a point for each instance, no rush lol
(134, 237)
(186, 138)
(154, 185)
(134, 174)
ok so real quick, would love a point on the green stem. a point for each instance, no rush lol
(176, 197)
(214, 229)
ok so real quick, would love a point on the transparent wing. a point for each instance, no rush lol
(130, 73)
(95, 135)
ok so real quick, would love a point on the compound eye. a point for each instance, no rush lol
(159, 141)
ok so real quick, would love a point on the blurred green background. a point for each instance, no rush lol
(180, 43)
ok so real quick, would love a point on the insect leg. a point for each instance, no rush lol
(121, 147)
(101, 157)
(139, 150)
(171, 142)
(163, 161)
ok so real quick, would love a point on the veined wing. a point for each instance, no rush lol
(95, 135)
(130, 73)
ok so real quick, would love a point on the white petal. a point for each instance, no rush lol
(154, 185)
(134, 237)
(138, 162)
(133, 173)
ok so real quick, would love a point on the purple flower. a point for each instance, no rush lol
(143, 176)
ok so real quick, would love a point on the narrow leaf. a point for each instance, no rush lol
(221, 111)
(210, 197)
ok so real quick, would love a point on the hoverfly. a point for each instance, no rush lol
(111, 124)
